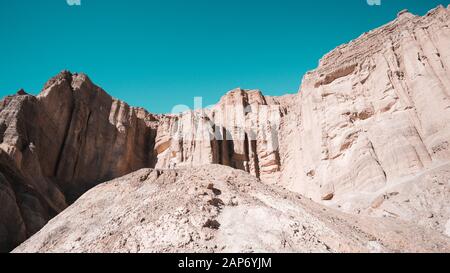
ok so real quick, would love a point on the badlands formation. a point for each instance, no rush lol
(357, 161)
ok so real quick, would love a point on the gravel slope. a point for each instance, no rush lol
(217, 209)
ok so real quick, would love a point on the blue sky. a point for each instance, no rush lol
(158, 53)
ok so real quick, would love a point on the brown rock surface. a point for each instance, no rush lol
(179, 211)
(67, 140)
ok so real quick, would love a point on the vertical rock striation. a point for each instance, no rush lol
(376, 110)
(241, 131)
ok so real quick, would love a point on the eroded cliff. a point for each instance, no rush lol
(368, 133)
(61, 143)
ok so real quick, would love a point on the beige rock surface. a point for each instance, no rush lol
(368, 133)
(376, 109)
(241, 131)
(216, 209)
(374, 116)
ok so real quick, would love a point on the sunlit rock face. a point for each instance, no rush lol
(241, 131)
(374, 110)
(373, 124)
(368, 133)
(377, 108)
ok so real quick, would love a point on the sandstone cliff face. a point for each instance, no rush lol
(241, 131)
(63, 142)
(368, 133)
(376, 109)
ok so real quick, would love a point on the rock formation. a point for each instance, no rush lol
(216, 209)
(377, 108)
(374, 120)
(241, 131)
(368, 133)
(61, 143)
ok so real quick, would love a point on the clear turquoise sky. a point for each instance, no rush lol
(157, 53)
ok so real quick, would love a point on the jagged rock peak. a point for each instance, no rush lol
(21, 92)
(75, 80)
(347, 56)
(404, 12)
(239, 96)
(64, 75)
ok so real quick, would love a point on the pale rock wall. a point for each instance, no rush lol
(241, 131)
(377, 108)
(374, 111)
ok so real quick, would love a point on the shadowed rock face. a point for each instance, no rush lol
(65, 141)
(371, 121)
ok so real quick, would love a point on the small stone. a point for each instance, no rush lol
(378, 201)
(212, 224)
(327, 192)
